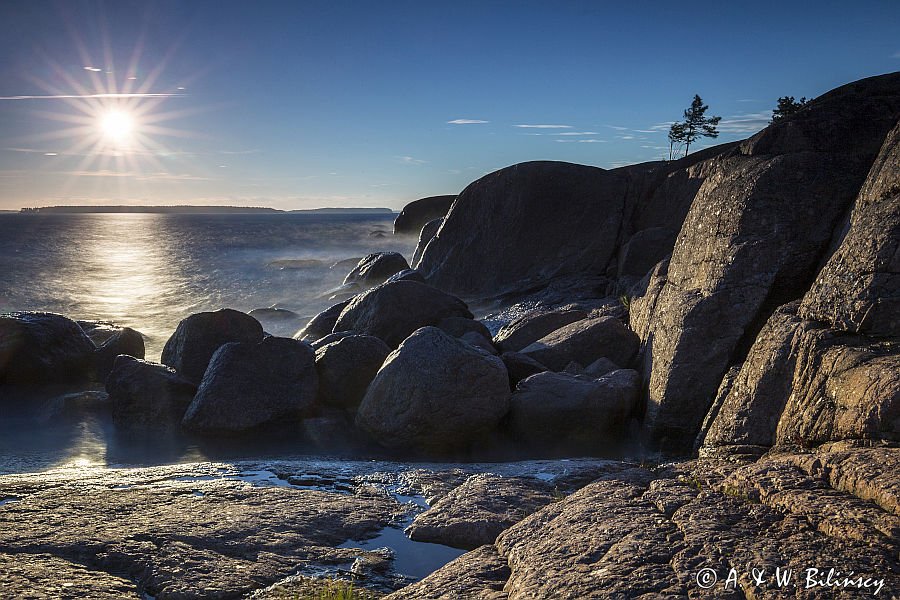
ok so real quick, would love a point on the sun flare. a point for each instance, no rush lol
(117, 126)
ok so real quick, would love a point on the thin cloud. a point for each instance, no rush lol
(409, 160)
(646, 130)
(588, 141)
(745, 123)
(896, 54)
(578, 133)
(93, 69)
(251, 151)
(67, 96)
(544, 126)
(466, 122)
(617, 127)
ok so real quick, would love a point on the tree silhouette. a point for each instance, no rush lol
(786, 107)
(676, 136)
(695, 125)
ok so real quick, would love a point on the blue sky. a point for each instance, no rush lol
(308, 104)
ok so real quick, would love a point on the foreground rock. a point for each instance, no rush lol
(346, 367)
(584, 342)
(172, 532)
(639, 533)
(145, 394)
(247, 386)
(434, 393)
(416, 214)
(43, 348)
(474, 513)
(394, 310)
(376, 268)
(559, 411)
(199, 336)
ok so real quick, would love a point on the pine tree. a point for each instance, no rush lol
(786, 107)
(695, 125)
(676, 136)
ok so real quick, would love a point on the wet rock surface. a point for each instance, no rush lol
(416, 214)
(145, 394)
(43, 348)
(475, 512)
(376, 268)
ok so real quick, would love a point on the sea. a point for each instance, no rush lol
(149, 271)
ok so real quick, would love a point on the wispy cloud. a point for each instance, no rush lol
(137, 175)
(67, 96)
(896, 54)
(544, 126)
(466, 122)
(578, 133)
(745, 123)
(617, 127)
(409, 160)
(93, 69)
(751, 99)
(250, 151)
(625, 137)
(646, 130)
(588, 141)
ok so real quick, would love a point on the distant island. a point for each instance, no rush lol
(185, 209)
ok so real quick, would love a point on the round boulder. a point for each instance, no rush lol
(376, 268)
(43, 348)
(560, 410)
(248, 385)
(199, 336)
(146, 394)
(125, 341)
(322, 324)
(417, 213)
(394, 310)
(434, 393)
(346, 367)
(584, 342)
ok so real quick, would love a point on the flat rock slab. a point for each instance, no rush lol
(39, 576)
(477, 511)
(175, 537)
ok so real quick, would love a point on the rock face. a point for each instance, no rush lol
(532, 326)
(393, 311)
(251, 385)
(406, 275)
(434, 392)
(460, 326)
(429, 230)
(859, 288)
(197, 338)
(563, 411)
(125, 341)
(568, 216)
(519, 366)
(145, 394)
(376, 268)
(474, 513)
(322, 324)
(773, 205)
(642, 534)
(43, 348)
(346, 367)
(584, 342)
(416, 214)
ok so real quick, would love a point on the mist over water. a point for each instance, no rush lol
(149, 271)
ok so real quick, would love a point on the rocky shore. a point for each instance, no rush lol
(727, 325)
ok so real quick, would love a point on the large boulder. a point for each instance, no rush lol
(250, 385)
(145, 394)
(429, 230)
(521, 226)
(760, 226)
(584, 342)
(376, 268)
(40, 347)
(125, 341)
(434, 393)
(417, 213)
(346, 367)
(532, 326)
(564, 411)
(322, 324)
(394, 310)
(519, 367)
(199, 336)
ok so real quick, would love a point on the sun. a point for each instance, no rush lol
(117, 126)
